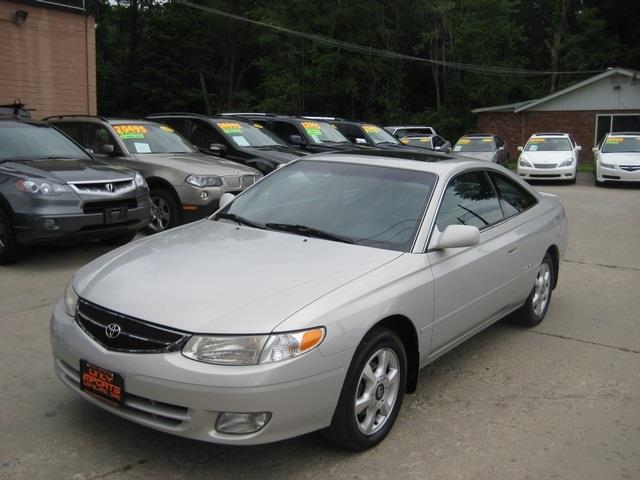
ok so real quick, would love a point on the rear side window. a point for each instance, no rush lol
(513, 198)
(284, 130)
(469, 199)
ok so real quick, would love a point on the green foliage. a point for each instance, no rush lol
(151, 55)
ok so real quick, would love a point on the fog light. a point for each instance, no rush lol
(204, 195)
(241, 423)
(50, 224)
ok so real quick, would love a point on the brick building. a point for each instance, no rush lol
(607, 102)
(47, 56)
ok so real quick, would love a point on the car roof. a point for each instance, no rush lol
(97, 119)
(550, 135)
(479, 135)
(622, 134)
(420, 135)
(408, 126)
(21, 120)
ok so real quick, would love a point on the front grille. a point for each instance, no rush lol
(552, 175)
(135, 335)
(101, 188)
(545, 165)
(233, 182)
(99, 207)
(248, 180)
(629, 168)
(160, 413)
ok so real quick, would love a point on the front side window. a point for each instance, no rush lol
(513, 198)
(34, 141)
(97, 137)
(285, 130)
(320, 132)
(469, 200)
(363, 204)
(621, 144)
(474, 144)
(202, 135)
(548, 144)
(142, 138)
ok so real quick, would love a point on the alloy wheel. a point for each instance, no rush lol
(377, 391)
(160, 213)
(541, 289)
(3, 234)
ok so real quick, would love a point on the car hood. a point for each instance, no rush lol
(547, 157)
(69, 170)
(276, 154)
(217, 277)
(197, 163)
(622, 158)
(488, 156)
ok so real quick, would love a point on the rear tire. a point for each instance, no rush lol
(164, 210)
(119, 240)
(374, 387)
(10, 249)
(537, 304)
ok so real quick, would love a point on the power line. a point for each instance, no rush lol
(354, 47)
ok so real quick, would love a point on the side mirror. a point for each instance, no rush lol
(501, 147)
(108, 149)
(360, 141)
(594, 149)
(217, 148)
(89, 150)
(578, 148)
(457, 236)
(226, 199)
(296, 140)
(520, 149)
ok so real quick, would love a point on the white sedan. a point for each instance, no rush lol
(310, 301)
(617, 159)
(549, 156)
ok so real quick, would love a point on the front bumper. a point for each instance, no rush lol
(173, 394)
(55, 224)
(532, 173)
(616, 174)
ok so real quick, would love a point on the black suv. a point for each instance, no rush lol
(52, 190)
(234, 139)
(311, 135)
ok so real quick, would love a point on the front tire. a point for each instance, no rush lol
(537, 304)
(10, 249)
(164, 211)
(372, 393)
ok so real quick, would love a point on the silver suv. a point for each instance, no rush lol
(185, 184)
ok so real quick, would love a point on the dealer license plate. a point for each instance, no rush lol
(102, 383)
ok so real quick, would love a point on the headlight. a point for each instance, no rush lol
(70, 300)
(566, 163)
(39, 187)
(252, 349)
(525, 163)
(204, 180)
(140, 182)
(607, 165)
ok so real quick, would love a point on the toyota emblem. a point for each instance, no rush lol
(112, 330)
(111, 187)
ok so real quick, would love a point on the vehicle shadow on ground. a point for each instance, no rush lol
(150, 451)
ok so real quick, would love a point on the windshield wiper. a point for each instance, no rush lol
(307, 232)
(239, 220)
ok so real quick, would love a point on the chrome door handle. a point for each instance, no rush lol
(512, 250)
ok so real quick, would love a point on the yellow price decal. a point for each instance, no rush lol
(130, 131)
(167, 128)
(615, 139)
(464, 141)
(487, 140)
(257, 125)
(405, 141)
(370, 128)
(311, 126)
(537, 140)
(230, 127)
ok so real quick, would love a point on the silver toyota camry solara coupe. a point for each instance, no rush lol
(310, 301)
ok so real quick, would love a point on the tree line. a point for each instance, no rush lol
(165, 56)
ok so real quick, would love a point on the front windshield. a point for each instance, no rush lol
(546, 144)
(479, 144)
(418, 141)
(321, 132)
(618, 144)
(367, 205)
(152, 138)
(379, 135)
(32, 141)
(245, 135)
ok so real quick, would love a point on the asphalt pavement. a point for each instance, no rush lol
(560, 401)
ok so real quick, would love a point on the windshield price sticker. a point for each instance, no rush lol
(166, 128)
(257, 125)
(464, 141)
(370, 128)
(538, 140)
(130, 131)
(230, 127)
(312, 128)
(405, 141)
(615, 139)
(487, 140)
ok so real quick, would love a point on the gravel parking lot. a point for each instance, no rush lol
(561, 400)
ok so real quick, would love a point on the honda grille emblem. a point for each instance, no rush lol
(111, 187)
(112, 330)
